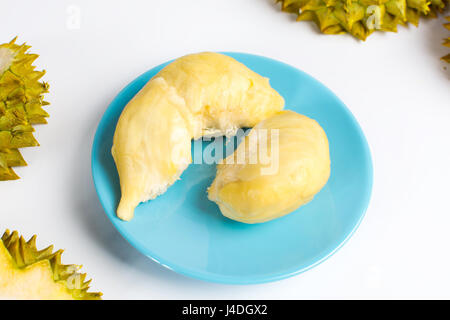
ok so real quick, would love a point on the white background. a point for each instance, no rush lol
(395, 85)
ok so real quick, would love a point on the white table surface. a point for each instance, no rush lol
(395, 85)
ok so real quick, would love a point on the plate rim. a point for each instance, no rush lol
(213, 277)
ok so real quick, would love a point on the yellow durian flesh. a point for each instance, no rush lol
(151, 145)
(196, 95)
(246, 193)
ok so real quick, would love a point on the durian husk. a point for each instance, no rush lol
(447, 40)
(10, 158)
(28, 273)
(363, 17)
(21, 103)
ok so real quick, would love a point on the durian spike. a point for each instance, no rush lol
(10, 158)
(7, 173)
(447, 40)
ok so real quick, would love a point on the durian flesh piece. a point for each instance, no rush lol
(361, 18)
(28, 273)
(196, 95)
(21, 100)
(254, 191)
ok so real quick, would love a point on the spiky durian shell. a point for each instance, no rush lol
(28, 273)
(10, 158)
(447, 40)
(21, 102)
(361, 18)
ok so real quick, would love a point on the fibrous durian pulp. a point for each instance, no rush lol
(28, 273)
(447, 41)
(258, 191)
(362, 17)
(196, 95)
(21, 102)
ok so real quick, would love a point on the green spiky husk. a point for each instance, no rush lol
(447, 40)
(363, 17)
(21, 102)
(25, 254)
(10, 158)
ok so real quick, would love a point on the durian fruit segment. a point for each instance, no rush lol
(254, 191)
(28, 273)
(361, 18)
(447, 41)
(196, 95)
(21, 100)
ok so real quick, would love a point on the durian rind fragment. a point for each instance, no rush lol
(28, 273)
(361, 18)
(21, 99)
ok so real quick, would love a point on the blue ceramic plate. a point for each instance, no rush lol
(186, 232)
